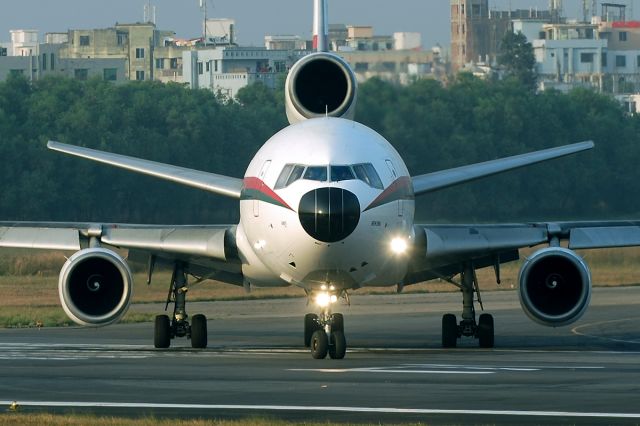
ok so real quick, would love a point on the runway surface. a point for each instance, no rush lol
(394, 371)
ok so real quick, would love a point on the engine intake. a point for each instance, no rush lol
(95, 287)
(320, 84)
(555, 286)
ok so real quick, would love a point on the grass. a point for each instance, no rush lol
(29, 285)
(19, 419)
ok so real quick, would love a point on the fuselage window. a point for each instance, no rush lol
(318, 173)
(339, 173)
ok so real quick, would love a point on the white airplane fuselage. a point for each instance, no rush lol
(326, 230)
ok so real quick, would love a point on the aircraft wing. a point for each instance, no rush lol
(439, 250)
(442, 179)
(206, 250)
(219, 184)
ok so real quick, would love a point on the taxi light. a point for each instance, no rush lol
(399, 245)
(323, 299)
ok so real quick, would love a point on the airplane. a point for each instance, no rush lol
(327, 205)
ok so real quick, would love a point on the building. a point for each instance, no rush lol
(477, 31)
(284, 42)
(23, 42)
(226, 70)
(396, 66)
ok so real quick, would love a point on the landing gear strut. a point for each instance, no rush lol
(179, 326)
(482, 329)
(324, 333)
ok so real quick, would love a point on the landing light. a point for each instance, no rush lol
(324, 299)
(399, 245)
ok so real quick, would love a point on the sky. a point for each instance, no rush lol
(254, 18)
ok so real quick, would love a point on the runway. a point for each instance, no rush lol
(394, 371)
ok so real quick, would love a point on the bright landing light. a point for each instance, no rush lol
(398, 245)
(323, 299)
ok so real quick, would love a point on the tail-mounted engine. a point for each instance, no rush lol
(318, 85)
(555, 286)
(95, 287)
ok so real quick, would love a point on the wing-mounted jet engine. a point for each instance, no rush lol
(318, 85)
(555, 286)
(95, 287)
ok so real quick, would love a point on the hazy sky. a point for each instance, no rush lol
(254, 18)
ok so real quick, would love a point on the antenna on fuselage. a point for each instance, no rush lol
(321, 25)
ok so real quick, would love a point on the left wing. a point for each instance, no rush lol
(440, 250)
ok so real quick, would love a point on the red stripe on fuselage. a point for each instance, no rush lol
(400, 189)
(254, 183)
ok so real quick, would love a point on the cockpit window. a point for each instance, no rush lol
(318, 173)
(364, 172)
(339, 173)
(367, 173)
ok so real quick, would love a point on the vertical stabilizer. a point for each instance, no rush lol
(321, 25)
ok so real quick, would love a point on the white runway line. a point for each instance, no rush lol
(346, 409)
(577, 330)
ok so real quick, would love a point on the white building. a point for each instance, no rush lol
(228, 69)
(24, 42)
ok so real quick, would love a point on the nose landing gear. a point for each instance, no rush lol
(324, 333)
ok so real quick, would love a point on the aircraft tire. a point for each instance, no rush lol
(199, 331)
(310, 326)
(319, 344)
(485, 331)
(162, 332)
(337, 345)
(449, 331)
(337, 323)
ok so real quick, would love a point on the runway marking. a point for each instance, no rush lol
(348, 409)
(386, 370)
(576, 330)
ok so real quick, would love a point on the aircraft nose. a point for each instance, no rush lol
(329, 214)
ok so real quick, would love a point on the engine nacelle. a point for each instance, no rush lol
(95, 287)
(555, 286)
(318, 85)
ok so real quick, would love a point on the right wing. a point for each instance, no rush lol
(219, 184)
(206, 250)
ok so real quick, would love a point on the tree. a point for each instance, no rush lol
(517, 58)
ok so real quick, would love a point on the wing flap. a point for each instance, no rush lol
(40, 238)
(604, 237)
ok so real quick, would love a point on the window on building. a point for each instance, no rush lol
(215, 66)
(140, 75)
(622, 36)
(638, 61)
(81, 74)
(586, 58)
(139, 52)
(16, 72)
(84, 40)
(173, 63)
(44, 61)
(160, 63)
(53, 63)
(122, 38)
(361, 66)
(621, 61)
(389, 66)
(110, 74)
(475, 10)
(603, 60)
(208, 66)
(3, 51)
(200, 68)
(462, 9)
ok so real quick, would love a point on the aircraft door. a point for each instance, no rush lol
(263, 173)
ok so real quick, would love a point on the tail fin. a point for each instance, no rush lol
(321, 25)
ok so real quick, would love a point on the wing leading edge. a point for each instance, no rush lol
(430, 182)
(211, 182)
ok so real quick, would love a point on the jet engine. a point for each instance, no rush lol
(95, 287)
(555, 286)
(318, 85)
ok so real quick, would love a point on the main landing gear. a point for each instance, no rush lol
(179, 326)
(482, 329)
(324, 333)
